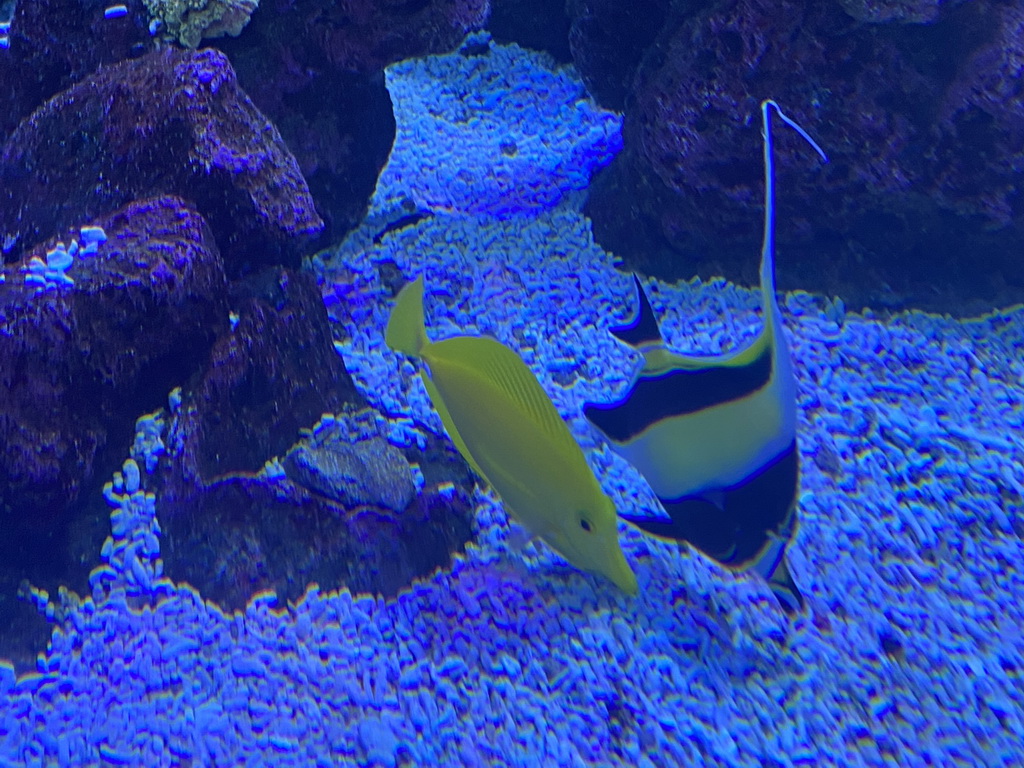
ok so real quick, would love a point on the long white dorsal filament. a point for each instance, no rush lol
(768, 246)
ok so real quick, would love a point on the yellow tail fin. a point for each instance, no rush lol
(406, 330)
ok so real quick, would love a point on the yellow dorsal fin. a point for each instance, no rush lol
(406, 332)
(506, 370)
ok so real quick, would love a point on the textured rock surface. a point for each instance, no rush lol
(368, 471)
(55, 44)
(267, 379)
(490, 171)
(922, 124)
(78, 365)
(316, 69)
(169, 121)
(244, 534)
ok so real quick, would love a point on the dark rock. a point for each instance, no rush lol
(316, 70)
(81, 363)
(78, 365)
(909, 11)
(923, 126)
(365, 35)
(608, 38)
(57, 43)
(170, 121)
(244, 534)
(541, 25)
(271, 376)
(354, 474)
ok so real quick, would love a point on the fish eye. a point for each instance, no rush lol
(585, 525)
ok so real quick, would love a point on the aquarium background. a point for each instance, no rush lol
(909, 549)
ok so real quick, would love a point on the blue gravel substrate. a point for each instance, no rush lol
(910, 547)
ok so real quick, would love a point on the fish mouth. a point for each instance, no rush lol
(622, 575)
(617, 570)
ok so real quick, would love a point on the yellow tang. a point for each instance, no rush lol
(507, 428)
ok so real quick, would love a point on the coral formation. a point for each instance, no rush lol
(191, 21)
(202, 139)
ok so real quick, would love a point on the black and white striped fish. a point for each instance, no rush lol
(715, 436)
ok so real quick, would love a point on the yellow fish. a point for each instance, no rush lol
(507, 428)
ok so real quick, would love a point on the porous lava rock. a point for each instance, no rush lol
(274, 374)
(170, 122)
(923, 125)
(317, 70)
(55, 44)
(77, 367)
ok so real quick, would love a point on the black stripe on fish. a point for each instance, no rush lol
(643, 328)
(676, 393)
(736, 533)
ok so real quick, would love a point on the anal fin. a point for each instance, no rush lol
(784, 588)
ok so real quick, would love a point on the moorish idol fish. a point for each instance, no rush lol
(715, 436)
(506, 427)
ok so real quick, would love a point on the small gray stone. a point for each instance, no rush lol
(370, 471)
